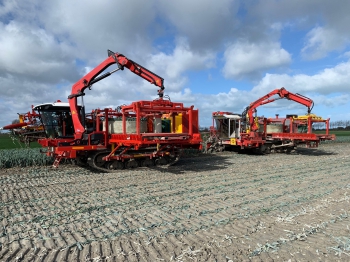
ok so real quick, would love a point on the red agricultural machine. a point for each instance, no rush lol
(247, 131)
(28, 128)
(144, 133)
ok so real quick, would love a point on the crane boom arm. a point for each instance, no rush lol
(282, 93)
(94, 76)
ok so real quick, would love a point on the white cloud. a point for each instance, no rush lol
(320, 41)
(245, 59)
(7, 6)
(32, 53)
(125, 87)
(326, 22)
(182, 59)
(331, 102)
(328, 89)
(100, 25)
(205, 23)
(327, 81)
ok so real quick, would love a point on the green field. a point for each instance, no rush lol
(335, 132)
(6, 142)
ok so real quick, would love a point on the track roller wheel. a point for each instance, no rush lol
(173, 159)
(290, 150)
(210, 150)
(96, 160)
(220, 148)
(260, 150)
(147, 162)
(132, 163)
(115, 165)
(99, 162)
(161, 161)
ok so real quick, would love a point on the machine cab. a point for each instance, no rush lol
(56, 119)
(228, 125)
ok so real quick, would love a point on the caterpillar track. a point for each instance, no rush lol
(267, 148)
(96, 161)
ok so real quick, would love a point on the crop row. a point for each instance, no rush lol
(339, 139)
(101, 210)
(23, 157)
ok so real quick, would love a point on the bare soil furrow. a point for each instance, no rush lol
(282, 207)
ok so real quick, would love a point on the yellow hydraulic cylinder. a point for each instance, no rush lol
(178, 123)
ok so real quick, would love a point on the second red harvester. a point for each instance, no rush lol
(247, 131)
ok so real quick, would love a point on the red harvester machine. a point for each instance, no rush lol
(28, 128)
(263, 135)
(144, 133)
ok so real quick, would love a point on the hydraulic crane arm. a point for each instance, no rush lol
(93, 76)
(282, 93)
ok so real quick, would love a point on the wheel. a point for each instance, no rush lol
(221, 149)
(173, 159)
(262, 149)
(290, 150)
(115, 165)
(147, 162)
(95, 160)
(161, 161)
(132, 163)
(99, 162)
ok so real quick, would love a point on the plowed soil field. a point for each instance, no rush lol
(228, 207)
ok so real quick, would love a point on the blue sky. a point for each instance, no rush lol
(215, 55)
